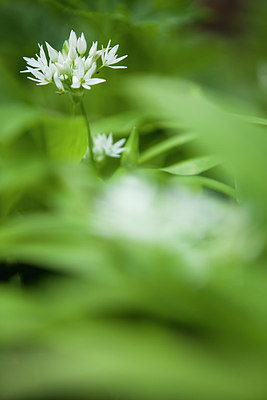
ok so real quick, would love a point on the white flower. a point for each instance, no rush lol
(114, 150)
(173, 217)
(84, 79)
(39, 68)
(71, 68)
(109, 57)
(103, 146)
(43, 73)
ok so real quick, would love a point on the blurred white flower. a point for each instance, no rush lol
(186, 222)
(71, 69)
(103, 146)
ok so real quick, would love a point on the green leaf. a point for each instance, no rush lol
(208, 183)
(130, 156)
(66, 138)
(193, 166)
(165, 146)
(242, 144)
(254, 120)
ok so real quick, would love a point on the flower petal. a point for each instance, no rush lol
(75, 83)
(120, 59)
(42, 55)
(116, 67)
(94, 81)
(32, 62)
(85, 86)
(120, 142)
(53, 54)
(114, 50)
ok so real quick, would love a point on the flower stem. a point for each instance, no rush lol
(74, 108)
(90, 138)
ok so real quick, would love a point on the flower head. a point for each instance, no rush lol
(103, 146)
(72, 68)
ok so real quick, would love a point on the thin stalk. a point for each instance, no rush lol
(90, 139)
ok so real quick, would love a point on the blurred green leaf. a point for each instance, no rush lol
(209, 183)
(66, 138)
(240, 143)
(193, 166)
(129, 158)
(165, 146)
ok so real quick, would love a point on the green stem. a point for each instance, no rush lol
(75, 104)
(74, 108)
(90, 138)
(99, 68)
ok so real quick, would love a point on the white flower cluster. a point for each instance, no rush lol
(72, 69)
(103, 146)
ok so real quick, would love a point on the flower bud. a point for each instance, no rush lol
(72, 53)
(81, 44)
(73, 39)
(65, 48)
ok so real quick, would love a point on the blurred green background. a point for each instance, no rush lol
(149, 282)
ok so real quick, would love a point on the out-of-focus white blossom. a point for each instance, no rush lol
(103, 147)
(71, 69)
(176, 218)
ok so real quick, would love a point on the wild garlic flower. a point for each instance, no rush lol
(103, 146)
(71, 69)
(109, 57)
